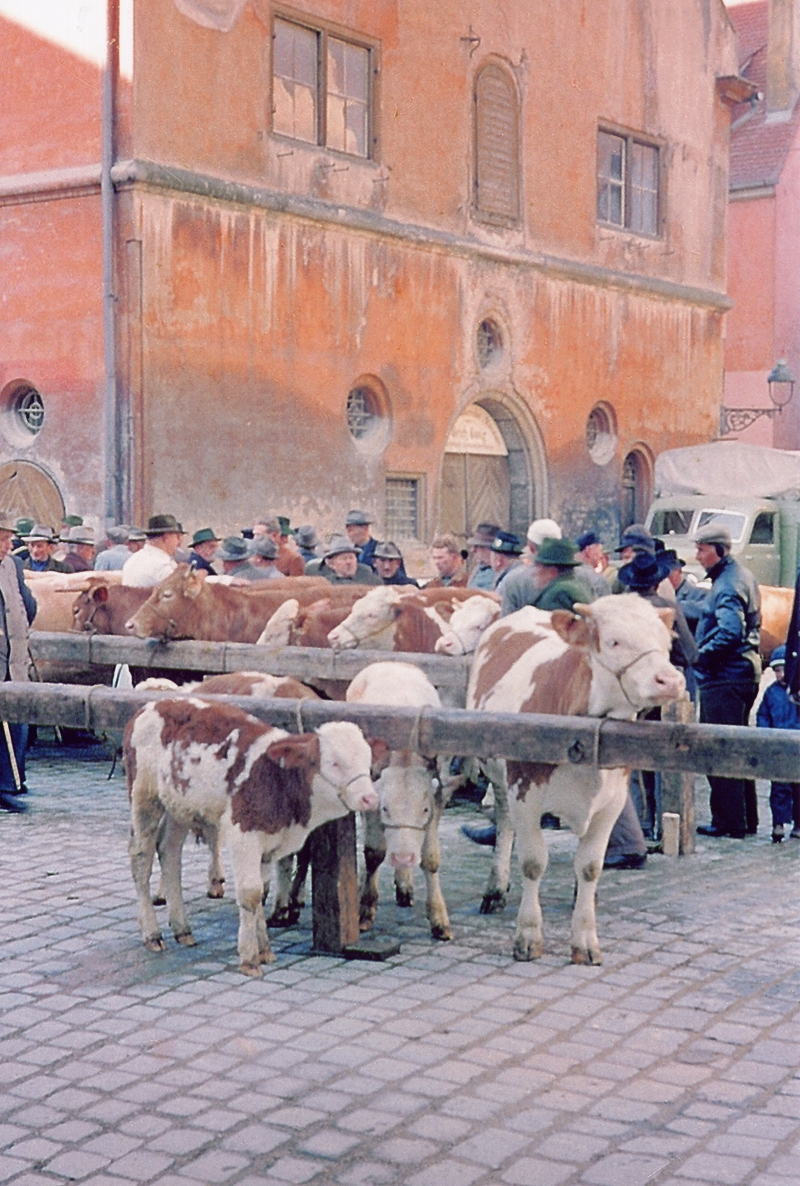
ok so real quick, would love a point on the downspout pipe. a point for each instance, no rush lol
(113, 477)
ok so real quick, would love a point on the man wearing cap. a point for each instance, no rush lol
(728, 669)
(356, 526)
(154, 563)
(555, 575)
(289, 561)
(505, 553)
(307, 542)
(81, 552)
(590, 552)
(263, 554)
(115, 553)
(235, 555)
(480, 544)
(450, 568)
(41, 545)
(341, 566)
(17, 611)
(689, 596)
(388, 560)
(204, 549)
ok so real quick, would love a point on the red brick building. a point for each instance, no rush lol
(448, 262)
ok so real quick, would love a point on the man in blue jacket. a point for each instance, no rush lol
(728, 667)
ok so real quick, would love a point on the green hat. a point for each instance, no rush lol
(284, 524)
(206, 535)
(23, 526)
(73, 521)
(560, 553)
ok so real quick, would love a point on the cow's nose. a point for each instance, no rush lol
(369, 801)
(129, 629)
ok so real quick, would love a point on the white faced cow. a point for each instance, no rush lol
(207, 764)
(609, 659)
(467, 623)
(406, 825)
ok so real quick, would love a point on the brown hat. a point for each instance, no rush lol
(485, 535)
(163, 525)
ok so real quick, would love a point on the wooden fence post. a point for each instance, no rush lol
(677, 790)
(334, 885)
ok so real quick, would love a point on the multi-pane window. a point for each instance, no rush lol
(497, 150)
(628, 182)
(402, 518)
(321, 88)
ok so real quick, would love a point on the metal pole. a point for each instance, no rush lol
(112, 494)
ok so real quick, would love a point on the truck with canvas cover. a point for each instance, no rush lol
(753, 490)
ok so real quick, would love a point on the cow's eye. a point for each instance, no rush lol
(167, 594)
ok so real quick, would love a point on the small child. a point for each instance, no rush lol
(777, 711)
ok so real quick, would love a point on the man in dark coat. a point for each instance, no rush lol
(356, 526)
(341, 566)
(388, 561)
(41, 544)
(204, 549)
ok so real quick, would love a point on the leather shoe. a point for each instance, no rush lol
(480, 833)
(9, 802)
(709, 830)
(627, 860)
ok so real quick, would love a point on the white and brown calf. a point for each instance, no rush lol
(212, 765)
(405, 828)
(609, 659)
(468, 622)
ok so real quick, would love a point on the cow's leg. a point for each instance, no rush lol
(160, 897)
(404, 887)
(216, 869)
(532, 856)
(280, 874)
(436, 908)
(297, 896)
(145, 821)
(495, 894)
(171, 839)
(254, 947)
(290, 889)
(589, 865)
(374, 856)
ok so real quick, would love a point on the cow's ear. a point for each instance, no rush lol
(379, 747)
(194, 582)
(667, 615)
(299, 752)
(573, 628)
(100, 594)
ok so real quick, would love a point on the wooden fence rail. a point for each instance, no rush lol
(669, 746)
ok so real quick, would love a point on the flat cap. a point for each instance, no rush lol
(506, 544)
(357, 519)
(714, 533)
(338, 545)
(587, 539)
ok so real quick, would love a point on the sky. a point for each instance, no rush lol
(79, 26)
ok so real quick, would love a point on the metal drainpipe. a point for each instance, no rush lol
(113, 477)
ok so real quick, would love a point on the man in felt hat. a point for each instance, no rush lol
(728, 669)
(593, 563)
(555, 576)
(154, 563)
(234, 554)
(505, 552)
(480, 544)
(450, 568)
(136, 539)
(341, 565)
(17, 611)
(307, 542)
(388, 561)
(204, 549)
(41, 544)
(688, 594)
(263, 554)
(357, 529)
(115, 553)
(643, 574)
(81, 551)
(289, 561)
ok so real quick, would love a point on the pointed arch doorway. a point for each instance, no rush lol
(489, 472)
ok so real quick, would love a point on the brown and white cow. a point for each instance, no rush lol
(406, 825)
(609, 659)
(393, 618)
(295, 625)
(102, 608)
(207, 764)
(467, 623)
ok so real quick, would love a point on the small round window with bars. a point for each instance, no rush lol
(366, 413)
(489, 342)
(601, 434)
(28, 409)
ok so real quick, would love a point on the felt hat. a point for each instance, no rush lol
(388, 551)
(337, 545)
(485, 535)
(560, 553)
(357, 519)
(80, 535)
(638, 537)
(73, 521)
(233, 548)
(643, 572)
(541, 529)
(163, 525)
(21, 526)
(136, 534)
(40, 532)
(714, 533)
(306, 536)
(9, 524)
(263, 546)
(285, 525)
(206, 535)
(670, 560)
(587, 539)
(506, 544)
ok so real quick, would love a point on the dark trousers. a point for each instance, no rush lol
(784, 802)
(733, 800)
(19, 740)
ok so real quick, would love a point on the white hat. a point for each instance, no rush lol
(542, 529)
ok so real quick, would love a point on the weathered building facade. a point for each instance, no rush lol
(448, 262)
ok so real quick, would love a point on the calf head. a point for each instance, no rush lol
(406, 806)
(345, 761)
(278, 630)
(88, 613)
(628, 643)
(372, 617)
(467, 623)
(167, 610)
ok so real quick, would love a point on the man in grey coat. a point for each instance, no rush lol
(15, 618)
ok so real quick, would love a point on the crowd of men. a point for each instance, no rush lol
(716, 628)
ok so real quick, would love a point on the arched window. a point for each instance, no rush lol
(637, 487)
(497, 151)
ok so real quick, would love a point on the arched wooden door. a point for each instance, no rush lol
(26, 490)
(476, 478)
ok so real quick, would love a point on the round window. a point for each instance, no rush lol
(366, 413)
(29, 409)
(601, 434)
(489, 342)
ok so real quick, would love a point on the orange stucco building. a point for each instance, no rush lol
(447, 262)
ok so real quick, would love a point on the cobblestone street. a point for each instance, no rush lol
(676, 1062)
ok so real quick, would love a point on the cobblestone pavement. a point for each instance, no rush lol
(676, 1062)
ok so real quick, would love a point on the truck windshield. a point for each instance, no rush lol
(733, 522)
(671, 522)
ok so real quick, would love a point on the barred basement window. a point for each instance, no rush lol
(29, 409)
(497, 158)
(401, 520)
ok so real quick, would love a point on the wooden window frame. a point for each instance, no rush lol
(480, 214)
(630, 138)
(421, 501)
(323, 30)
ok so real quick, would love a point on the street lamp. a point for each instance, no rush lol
(780, 382)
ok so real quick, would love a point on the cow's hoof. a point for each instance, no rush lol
(253, 970)
(440, 932)
(155, 943)
(581, 955)
(187, 939)
(493, 902)
(267, 957)
(525, 950)
(279, 918)
(365, 924)
(216, 889)
(159, 900)
(404, 897)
